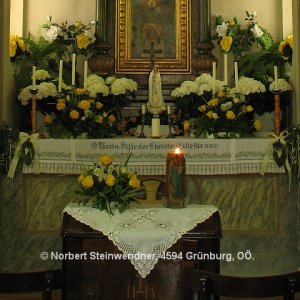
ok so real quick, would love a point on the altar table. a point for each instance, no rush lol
(103, 278)
(203, 156)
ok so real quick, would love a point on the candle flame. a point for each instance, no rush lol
(177, 150)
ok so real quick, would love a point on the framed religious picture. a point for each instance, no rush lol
(152, 32)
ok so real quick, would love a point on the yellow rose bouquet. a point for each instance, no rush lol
(107, 186)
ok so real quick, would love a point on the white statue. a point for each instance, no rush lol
(156, 104)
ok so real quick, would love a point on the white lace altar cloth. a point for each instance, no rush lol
(203, 156)
(143, 231)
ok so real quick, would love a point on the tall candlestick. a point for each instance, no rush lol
(169, 109)
(143, 109)
(236, 74)
(225, 69)
(175, 181)
(276, 77)
(214, 73)
(73, 68)
(60, 75)
(33, 77)
(85, 74)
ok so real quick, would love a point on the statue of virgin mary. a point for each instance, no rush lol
(156, 104)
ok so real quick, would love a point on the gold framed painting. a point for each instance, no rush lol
(153, 31)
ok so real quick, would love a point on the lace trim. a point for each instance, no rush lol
(220, 169)
(149, 231)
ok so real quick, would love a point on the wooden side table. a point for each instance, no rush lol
(117, 279)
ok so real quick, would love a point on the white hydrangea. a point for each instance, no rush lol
(204, 78)
(283, 85)
(98, 88)
(222, 29)
(257, 32)
(94, 79)
(109, 80)
(42, 75)
(45, 90)
(121, 85)
(250, 86)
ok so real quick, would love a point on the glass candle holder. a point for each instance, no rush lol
(175, 181)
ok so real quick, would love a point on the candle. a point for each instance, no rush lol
(60, 72)
(33, 77)
(276, 77)
(143, 109)
(236, 74)
(169, 109)
(73, 68)
(85, 74)
(175, 181)
(214, 72)
(155, 127)
(225, 69)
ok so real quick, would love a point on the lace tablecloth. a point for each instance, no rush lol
(141, 232)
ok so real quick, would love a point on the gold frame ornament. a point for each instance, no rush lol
(180, 63)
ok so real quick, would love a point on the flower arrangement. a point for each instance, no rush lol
(106, 186)
(235, 38)
(77, 37)
(229, 113)
(286, 48)
(94, 112)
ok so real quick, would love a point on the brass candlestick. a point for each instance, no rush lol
(277, 93)
(142, 135)
(33, 109)
(170, 135)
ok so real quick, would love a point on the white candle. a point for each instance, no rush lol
(225, 69)
(60, 72)
(214, 73)
(73, 68)
(85, 74)
(155, 127)
(143, 109)
(169, 109)
(33, 77)
(236, 74)
(276, 77)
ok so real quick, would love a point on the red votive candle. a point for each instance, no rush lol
(175, 181)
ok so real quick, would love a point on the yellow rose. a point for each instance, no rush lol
(47, 119)
(210, 114)
(213, 102)
(87, 182)
(249, 108)
(202, 108)
(230, 115)
(99, 119)
(111, 118)
(221, 93)
(80, 178)
(290, 40)
(79, 91)
(82, 41)
(281, 46)
(22, 45)
(226, 43)
(84, 104)
(99, 105)
(110, 180)
(60, 106)
(257, 124)
(105, 160)
(134, 182)
(186, 125)
(12, 48)
(74, 114)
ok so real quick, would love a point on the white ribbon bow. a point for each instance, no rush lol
(23, 137)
